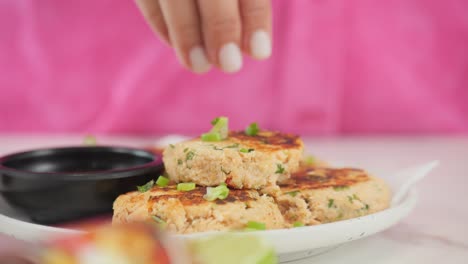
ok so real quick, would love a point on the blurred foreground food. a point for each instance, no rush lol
(139, 244)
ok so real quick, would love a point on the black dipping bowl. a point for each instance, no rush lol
(66, 184)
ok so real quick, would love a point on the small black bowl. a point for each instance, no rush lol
(66, 184)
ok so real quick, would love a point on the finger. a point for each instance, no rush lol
(221, 28)
(183, 23)
(151, 11)
(256, 27)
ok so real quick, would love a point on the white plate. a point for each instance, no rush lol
(291, 244)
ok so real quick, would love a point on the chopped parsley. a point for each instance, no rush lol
(179, 162)
(189, 155)
(146, 187)
(244, 150)
(366, 207)
(279, 169)
(252, 129)
(340, 188)
(330, 203)
(293, 193)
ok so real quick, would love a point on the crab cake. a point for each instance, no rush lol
(321, 195)
(189, 212)
(241, 161)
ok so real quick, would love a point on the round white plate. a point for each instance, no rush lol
(290, 244)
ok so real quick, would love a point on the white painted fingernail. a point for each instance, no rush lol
(198, 60)
(230, 57)
(260, 45)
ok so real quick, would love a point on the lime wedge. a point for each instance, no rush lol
(234, 249)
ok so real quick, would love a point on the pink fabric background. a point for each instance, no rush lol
(340, 66)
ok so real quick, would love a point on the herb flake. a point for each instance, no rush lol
(189, 155)
(330, 203)
(244, 150)
(293, 193)
(146, 187)
(340, 188)
(279, 169)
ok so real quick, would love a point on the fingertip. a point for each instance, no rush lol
(230, 58)
(198, 60)
(260, 45)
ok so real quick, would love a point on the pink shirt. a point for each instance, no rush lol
(340, 66)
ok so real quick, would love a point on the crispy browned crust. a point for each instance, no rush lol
(195, 197)
(310, 178)
(267, 140)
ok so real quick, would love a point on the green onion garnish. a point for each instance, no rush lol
(89, 140)
(330, 203)
(159, 221)
(298, 224)
(252, 225)
(309, 160)
(146, 187)
(219, 192)
(244, 150)
(211, 137)
(279, 169)
(252, 129)
(189, 155)
(219, 131)
(293, 193)
(186, 186)
(162, 181)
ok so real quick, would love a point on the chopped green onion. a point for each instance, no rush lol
(159, 221)
(146, 187)
(330, 203)
(189, 155)
(219, 192)
(298, 224)
(309, 160)
(244, 150)
(235, 145)
(162, 181)
(215, 121)
(89, 140)
(186, 186)
(221, 126)
(179, 162)
(367, 207)
(293, 193)
(340, 188)
(211, 137)
(171, 145)
(252, 129)
(279, 169)
(350, 199)
(252, 225)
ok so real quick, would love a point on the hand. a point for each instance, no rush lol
(212, 32)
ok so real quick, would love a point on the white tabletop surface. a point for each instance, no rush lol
(436, 231)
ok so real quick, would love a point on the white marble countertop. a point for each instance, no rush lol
(435, 232)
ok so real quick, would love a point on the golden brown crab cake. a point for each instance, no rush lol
(321, 195)
(240, 161)
(188, 212)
